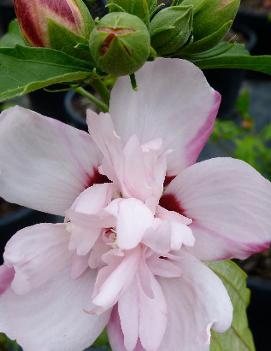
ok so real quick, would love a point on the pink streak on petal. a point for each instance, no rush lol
(61, 8)
(6, 277)
(196, 144)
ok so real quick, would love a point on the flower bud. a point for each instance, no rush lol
(171, 28)
(57, 24)
(120, 43)
(212, 20)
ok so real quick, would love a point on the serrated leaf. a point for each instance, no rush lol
(25, 69)
(238, 337)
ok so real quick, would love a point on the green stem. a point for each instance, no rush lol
(100, 104)
(100, 87)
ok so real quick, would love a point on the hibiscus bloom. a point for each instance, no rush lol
(141, 218)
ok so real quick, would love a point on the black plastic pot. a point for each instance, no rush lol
(260, 24)
(7, 14)
(259, 312)
(48, 104)
(228, 81)
(75, 110)
(97, 8)
(14, 221)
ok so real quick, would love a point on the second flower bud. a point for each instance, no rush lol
(120, 43)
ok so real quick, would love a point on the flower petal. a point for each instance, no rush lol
(6, 277)
(115, 333)
(132, 221)
(173, 102)
(196, 302)
(113, 280)
(152, 317)
(230, 205)
(52, 317)
(44, 164)
(86, 220)
(128, 308)
(37, 254)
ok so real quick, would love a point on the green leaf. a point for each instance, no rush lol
(25, 69)
(238, 337)
(13, 37)
(139, 8)
(209, 41)
(235, 58)
(221, 48)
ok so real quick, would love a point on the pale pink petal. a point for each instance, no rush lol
(115, 333)
(152, 317)
(128, 308)
(163, 213)
(145, 277)
(196, 302)
(134, 170)
(114, 279)
(133, 219)
(44, 164)
(103, 133)
(37, 254)
(173, 102)
(165, 236)
(52, 317)
(181, 235)
(93, 199)
(95, 258)
(86, 221)
(158, 237)
(6, 277)
(79, 265)
(229, 203)
(163, 267)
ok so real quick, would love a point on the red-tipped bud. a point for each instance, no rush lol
(46, 23)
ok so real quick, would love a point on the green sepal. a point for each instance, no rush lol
(207, 42)
(171, 29)
(64, 40)
(139, 8)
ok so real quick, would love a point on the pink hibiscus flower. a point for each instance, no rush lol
(140, 220)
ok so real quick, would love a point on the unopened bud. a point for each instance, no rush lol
(212, 21)
(120, 43)
(171, 28)
(58, 24)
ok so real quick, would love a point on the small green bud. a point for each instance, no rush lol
(120, 43)
(212, 21)
(171, 28)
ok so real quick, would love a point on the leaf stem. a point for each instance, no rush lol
(100, 104)
(101, 88)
